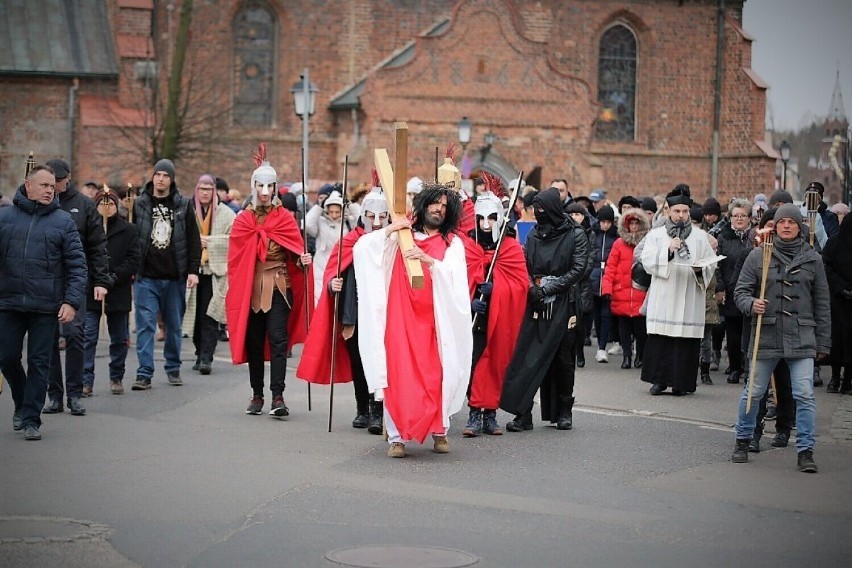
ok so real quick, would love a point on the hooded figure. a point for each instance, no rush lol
(323, 223)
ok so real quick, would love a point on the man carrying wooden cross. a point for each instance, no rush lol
(415, 338)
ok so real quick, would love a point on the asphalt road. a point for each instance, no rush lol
(180, 476)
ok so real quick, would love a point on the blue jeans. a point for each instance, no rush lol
(28, 388)
(802, 381)
(117, 323)
(169, 298)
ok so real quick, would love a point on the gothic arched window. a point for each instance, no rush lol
(617, 84)
(255, 32)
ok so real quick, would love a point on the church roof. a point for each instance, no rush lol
(349, 97)
(56, 38)
(836, 110)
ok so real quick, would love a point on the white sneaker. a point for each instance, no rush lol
(615, 349)
(601, 357)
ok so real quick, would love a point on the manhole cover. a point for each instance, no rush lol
(400, 557)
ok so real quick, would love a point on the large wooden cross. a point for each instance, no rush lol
(393, 181)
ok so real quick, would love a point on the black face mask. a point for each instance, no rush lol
(484, 238)
(542, 218)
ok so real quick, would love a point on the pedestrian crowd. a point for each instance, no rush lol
(442, 300)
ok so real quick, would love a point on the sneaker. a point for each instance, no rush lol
(141, 384)
(174, 378)
(279, 409)
(806, 461)
(489, 423)
(441, 445)
(714, 363)
(473, 428)
(833, 385)
(396, 450)
(32, 433)
(205, 368)
(255, 406)
(615, 349)
(76, 407)
(817, 380)
(53, 407)
(18, 421)
(197, 364)
(87, 391)
(601, 357)
(115, 387)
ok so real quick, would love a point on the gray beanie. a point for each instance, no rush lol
(790, 211)
(165, 165)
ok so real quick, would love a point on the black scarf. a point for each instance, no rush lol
(786, 251)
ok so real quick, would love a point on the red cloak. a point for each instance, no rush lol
(415, 375)
(315, 364)
(505, 315)
(468, 218)
(248, 245)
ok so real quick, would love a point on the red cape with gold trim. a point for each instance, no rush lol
(505, 314)
(248, 244)
(315, 364)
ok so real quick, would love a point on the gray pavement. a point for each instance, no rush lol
(180, 476)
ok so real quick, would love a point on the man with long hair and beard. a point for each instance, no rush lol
(421, 382)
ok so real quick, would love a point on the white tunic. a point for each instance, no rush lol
(676, 298)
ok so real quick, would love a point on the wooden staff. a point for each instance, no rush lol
(131, 198)
(436, 165)
(104, 201)
(335, 318)
(767, 257)
(305, 249)
(812, 201)
(490, 272)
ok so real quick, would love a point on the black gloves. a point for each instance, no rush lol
(485, 288)
(479, 306)
(535, 295)
(846, 294)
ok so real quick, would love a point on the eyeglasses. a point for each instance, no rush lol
(205, 188)
(740, 216)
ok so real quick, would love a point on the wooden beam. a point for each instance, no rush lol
(413, 267)
(400, 166)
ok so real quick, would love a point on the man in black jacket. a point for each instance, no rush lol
(43, 283)
(557, 254)
(90, 227)
(170, 245)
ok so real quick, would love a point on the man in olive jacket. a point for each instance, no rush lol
(42, 283)
(796, 327)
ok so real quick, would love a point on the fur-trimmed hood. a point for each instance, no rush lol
(633, 239)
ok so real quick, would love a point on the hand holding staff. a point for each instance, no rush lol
(305, 245)
(767, 257)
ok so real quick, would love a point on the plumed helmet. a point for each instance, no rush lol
(374, 203)
(448, 173)
(488, 204)
(264, 174)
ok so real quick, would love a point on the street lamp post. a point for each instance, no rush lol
(785, 157)
(304, 101)
(465, 128)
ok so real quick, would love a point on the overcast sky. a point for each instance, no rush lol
(797, 47)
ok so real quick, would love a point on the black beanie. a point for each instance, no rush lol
(577, 208)
(628, 200)
(606, 214)
(696, 212)
(779, 196)
(60, 167)
(221, 184)
(712, 207)
(648, 204)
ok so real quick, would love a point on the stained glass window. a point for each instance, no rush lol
(617, 85)
(255, 31)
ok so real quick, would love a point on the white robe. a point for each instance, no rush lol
(374, 256)
(327, 233)
(676, 300)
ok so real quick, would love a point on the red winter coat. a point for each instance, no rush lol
(617, 281)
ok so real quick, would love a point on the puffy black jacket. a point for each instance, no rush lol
(90, 227)
(186, 241)
(42, 264)
(735, 249)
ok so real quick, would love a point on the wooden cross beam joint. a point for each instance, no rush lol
(393, 181)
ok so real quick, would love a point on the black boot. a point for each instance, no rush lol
(375, 425)
(754, 445)
(740, 454)
(846, 385)
(627, 362)
(817, 380)
(637, 362)
(565, 420)
(734, 377)
(581, 359)
(473, 428)
(520, 423)
(705, 374)
(833, 385)
(362, 416)
(489, 423)
(781, 439)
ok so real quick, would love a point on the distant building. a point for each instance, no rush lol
(614, 95)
